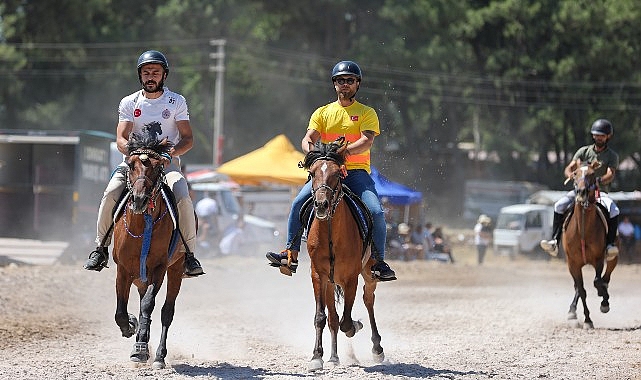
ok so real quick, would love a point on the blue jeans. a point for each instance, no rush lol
(360, 182)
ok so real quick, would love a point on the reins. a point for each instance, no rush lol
(585, 204)
(336, 195)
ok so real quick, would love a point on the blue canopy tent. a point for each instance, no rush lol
(395, 194)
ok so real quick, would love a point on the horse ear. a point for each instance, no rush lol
(340, 141)
(342, 149)
(595, 164)
(164, 141)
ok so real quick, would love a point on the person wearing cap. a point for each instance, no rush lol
(359, 125)
(482, 236)
(154, 107)
(602, 132)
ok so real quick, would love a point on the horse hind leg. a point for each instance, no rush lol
(368, 300)
(602, 290)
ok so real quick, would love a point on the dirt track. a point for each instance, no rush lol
(244, 320)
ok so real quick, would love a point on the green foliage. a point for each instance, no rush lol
(515, 79)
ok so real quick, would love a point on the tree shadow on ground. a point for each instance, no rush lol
(419, 371)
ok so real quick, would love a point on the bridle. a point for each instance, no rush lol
(335, 193)
(151, 186)
(584, 186)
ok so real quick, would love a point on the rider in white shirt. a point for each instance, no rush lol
(157, 109)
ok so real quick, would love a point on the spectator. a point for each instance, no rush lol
(626, 234)
(207, 212)
(482, 236)
(440, 244)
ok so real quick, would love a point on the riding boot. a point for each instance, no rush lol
(286, 261)
(611, 249)
(98, 259)
(552, 246)
(192, 265)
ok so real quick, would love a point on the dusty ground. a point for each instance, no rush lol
(244, 320)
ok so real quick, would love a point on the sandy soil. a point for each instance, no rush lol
(244, 320)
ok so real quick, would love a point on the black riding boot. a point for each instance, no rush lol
(552, 246)
(557, 227)
(192, 266)
(613, 226)
(612, 250)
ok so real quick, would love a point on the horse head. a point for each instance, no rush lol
(145, 162)
(585, 182)
(326, 166)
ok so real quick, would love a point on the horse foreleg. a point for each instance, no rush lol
(174, 280)
(601, 284)
(368, 300)
(348, 325)
(580, 292)
(140, 352)
(319, 321)
(127, 322)
(330, 300)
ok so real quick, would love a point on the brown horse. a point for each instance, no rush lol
(338, 252)
(584, 241)
(143, 247)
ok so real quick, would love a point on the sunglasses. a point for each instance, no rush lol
(349, 81)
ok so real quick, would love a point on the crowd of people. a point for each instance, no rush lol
(411, 242)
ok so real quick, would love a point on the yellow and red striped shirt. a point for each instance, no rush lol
(333, 121)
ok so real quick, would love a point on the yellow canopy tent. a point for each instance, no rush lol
(275, 162)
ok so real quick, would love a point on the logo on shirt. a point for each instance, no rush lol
(353, 117)
(166, 114)
(137, 112)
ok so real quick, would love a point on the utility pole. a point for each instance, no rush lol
(219, 69)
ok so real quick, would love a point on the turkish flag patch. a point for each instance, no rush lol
(353, 117)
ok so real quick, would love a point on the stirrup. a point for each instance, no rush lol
(550, 246)
(98, 259)
(195, 270)
(282, 261)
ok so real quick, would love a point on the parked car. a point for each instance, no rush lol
(521, 227)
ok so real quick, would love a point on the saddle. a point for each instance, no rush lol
(601, 211)
(359, 211)
(172, 207)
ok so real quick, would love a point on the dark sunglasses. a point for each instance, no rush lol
(349, 81)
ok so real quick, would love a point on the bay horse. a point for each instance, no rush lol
(584, 241)
(338, 251)
(144, 245)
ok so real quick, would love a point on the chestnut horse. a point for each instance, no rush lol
(144, 247)
(584, 241)
(338, 252)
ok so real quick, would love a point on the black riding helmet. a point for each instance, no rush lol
(601, 127)
(153, 56)
(347, 68)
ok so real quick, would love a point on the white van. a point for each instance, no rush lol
(520, 228)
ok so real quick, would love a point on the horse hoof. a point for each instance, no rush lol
(605, 308)
(588, 326)
(378, 358)
(140, 353)
(571, 316)
(133, 327)
(574, 323)
(158, 364)
(315, 365)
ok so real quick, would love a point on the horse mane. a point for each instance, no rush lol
(327, 151)
(148, 141)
